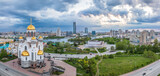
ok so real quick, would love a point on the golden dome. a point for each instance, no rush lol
(40, 37)
(40, 52)
(33, 38)
(25, 53)
(9, 48)
(30, 27)
(20, 37)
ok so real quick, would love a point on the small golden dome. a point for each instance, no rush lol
(20, 37)
(40, 37)
(30, 27)
(40, 52)
(11, 42)
(9, 48)
(33, 38)
(25, 53)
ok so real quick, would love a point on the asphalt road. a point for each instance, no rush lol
(9, 71)
(152, 69)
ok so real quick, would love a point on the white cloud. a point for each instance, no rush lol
(9, 21)
(82, 5)
(122, 7)
(46, 14)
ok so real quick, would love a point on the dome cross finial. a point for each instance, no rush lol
(31, 21)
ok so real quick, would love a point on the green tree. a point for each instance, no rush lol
(156, 46)
(150, 54)
(112, 48)
(97, 57)
(105, 56)
(122, 45)
(67, 45)
(111, 56)
(92, 67)
(61, 44)
(118, 53)
(86, 58)
(3, 53)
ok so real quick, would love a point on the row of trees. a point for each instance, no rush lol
(67, 48)
(109, 40)
(80, 40)
(139, 49)
(4, 56)
(150, 54)
(53, 37)
(57, 47)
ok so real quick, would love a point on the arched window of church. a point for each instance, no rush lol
(25, 47)
(32, 56)
(31, 33)
(35, 56)
(28, 33)
(19, 53)
(39, 47)
(40, 57)
(26, 58)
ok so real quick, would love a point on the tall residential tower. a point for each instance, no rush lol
(74, 27)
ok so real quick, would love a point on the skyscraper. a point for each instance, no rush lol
(86, 30)
(74, 27)
(94, 33)
(58, 33)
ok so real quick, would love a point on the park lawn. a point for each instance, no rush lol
(121, 65)
(80, 70)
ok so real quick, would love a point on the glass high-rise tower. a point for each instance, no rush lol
(86, 30)
(74, 27)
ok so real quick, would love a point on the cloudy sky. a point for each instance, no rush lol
(99, 15)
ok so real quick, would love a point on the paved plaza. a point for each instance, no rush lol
(69, 70)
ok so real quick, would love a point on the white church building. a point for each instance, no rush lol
(30, 49)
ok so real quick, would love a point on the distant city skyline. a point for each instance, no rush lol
(99, 15)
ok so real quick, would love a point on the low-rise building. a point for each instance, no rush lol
(95, 44)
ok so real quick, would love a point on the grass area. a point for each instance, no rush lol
(113, 66)
(85, 67)
(8, 58)
(80, 70)
(121, 65)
